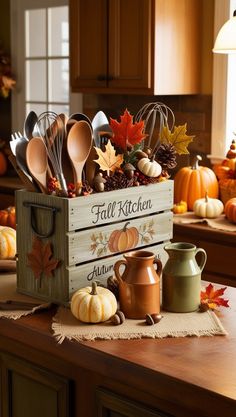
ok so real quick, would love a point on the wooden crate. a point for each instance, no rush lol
(83, 234)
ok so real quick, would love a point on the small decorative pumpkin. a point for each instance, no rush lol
(180, 208)
(93, 304)
(208, 207)
(8, 217)
(149, 167)
(230, 210)
(124, 239)
(7, 242)
(190, 183)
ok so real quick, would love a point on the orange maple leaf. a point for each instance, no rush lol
(40, 259)
(211, 297)
(126, 133)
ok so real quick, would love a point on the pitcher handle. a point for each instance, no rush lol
(158, 263)
(203, 258)
(117, 269)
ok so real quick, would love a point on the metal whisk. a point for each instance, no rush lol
(52, 130)
(155, 114)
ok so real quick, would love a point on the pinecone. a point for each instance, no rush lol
(166, 156)
(117, 181)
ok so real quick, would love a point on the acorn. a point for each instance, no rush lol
(129, 169)
(153, 318)
(141, 154)
(99, 182)
(118, 318)
(148, 151)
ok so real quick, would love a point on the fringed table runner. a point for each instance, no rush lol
(8, 292)
(219, 223)
(65, 325)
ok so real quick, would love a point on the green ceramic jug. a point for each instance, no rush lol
(181, 277)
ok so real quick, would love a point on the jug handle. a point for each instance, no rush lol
(203, 258)
(158, 263)
(117, 269)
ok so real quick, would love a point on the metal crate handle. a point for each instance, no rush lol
(33, 219)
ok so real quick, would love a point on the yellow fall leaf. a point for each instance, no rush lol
(177, 138)
(108, 160)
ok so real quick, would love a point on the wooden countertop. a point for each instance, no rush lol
(197, 374)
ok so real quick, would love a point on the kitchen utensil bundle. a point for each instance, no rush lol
(51, 142)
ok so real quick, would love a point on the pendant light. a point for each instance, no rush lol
(226, 39)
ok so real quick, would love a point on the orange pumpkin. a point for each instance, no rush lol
(222, 171)
(8, 217)
(124, 239)
(191, 183)
(230, 210)
(3, 163)
(227, 189)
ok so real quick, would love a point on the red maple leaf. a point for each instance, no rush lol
(211, 297)
(40, 259)
(126, 133)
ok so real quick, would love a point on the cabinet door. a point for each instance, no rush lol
(29, 391)
(88, 44)
(130, 44)
(113, 405)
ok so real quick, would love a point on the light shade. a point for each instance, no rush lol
(226, 39)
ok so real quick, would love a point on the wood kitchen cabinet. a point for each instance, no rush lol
(135, 46)
(28, 390)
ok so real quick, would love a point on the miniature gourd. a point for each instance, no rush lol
(191, 182)
(7, 242)
(208, 207)
(93, 304)
(230, 210)
(123, 239)
(149, 167)
(8, 217)
(180, 208)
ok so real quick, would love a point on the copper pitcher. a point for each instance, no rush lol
(139, 285)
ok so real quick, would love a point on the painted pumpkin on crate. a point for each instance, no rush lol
(192, 182)
(7, 242)
(123, 239)
(93, 304)
(230, 210)
(8, 217)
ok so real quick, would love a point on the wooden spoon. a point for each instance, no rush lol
(37, 161)
(79, 143)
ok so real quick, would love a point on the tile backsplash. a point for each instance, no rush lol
(194, 110)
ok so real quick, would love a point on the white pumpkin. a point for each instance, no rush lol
(93, 304)
(7, 242)
(149, 168)
(208, 207)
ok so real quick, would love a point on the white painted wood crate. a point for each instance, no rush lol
(85, 234)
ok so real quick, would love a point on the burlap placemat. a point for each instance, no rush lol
(219, 223)
(65, 325)
(8, 292)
